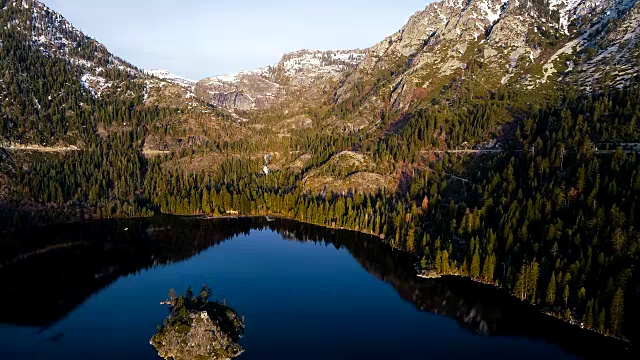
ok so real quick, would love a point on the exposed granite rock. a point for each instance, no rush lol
(246, 90)
(262, 88)
(491, 43)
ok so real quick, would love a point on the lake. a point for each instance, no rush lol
(93, 291)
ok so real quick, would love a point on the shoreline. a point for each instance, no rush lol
(538, 308)
(281, 217)
(419, 272)
(434, 276)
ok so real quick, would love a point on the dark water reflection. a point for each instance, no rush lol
(46, 274)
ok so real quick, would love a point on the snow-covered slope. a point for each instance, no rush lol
(56, 36)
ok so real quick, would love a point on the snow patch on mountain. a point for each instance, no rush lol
(319, 63)
(616, 64)
(95, 84)
(237, 76)
(172, 78)
(571, 10)
(260, 88)
(492, 12)
(595, 67)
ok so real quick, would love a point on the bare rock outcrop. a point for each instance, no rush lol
(262, 88)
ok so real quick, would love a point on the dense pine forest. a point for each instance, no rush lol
(551, 218)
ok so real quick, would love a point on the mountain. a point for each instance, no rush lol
(61, 87)
(259, 89)
(486, 45)
(54, 36)
(609, 50)
(493, 139)
(478, 47)
(173, 78)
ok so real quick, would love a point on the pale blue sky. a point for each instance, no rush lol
(199, 38)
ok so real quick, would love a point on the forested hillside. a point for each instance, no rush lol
(531, 182)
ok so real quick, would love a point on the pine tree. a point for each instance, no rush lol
(616, 313)
(532, 281)
(411, 239)
(445, 262)
(438, 262)
(520, 288)
(205, 293)
(587, 319)
(206, 204)
(475, 265)
(601, 321)
(551, 290)
(172, 296)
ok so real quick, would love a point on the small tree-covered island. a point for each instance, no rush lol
(199, 329)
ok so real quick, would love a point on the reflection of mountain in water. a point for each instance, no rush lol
(48, 272)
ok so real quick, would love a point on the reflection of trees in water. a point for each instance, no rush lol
(48, 272)
(478, 308)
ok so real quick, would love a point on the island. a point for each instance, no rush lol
(198, 328)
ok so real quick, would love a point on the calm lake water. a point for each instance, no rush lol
(93, 291)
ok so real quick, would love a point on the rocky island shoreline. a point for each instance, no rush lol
(199, 329)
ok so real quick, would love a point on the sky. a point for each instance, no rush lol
(198, 38)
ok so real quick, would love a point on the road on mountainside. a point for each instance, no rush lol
(485, 151)
(610, 148)
(38, 148)
(635, 150)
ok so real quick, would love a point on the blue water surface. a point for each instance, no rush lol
(301, 300)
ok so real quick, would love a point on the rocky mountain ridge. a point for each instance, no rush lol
(260, 88)
(164, 74)
(450, 47)
(495, 43)
(488, 44)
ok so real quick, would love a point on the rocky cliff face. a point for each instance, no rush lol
(492, 43)
(607, 55)
(246, 90)
(261, 88)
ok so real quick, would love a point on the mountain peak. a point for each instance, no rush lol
(296, 71)
(170, 77)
